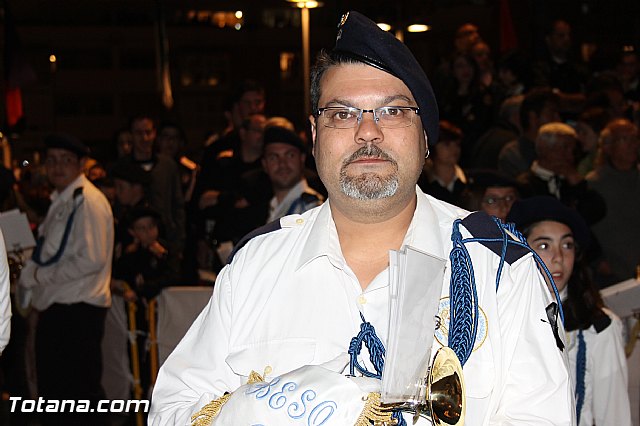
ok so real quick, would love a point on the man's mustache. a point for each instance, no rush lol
(369, 151)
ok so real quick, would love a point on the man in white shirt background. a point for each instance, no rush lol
(68, 277)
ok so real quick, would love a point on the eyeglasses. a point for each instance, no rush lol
(390, 117)
(509, 199)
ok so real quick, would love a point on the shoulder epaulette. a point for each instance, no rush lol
(602, 322)
(309, 198)
(484, 227)
(265, 229)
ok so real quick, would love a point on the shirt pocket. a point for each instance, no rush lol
(479, 373)
(272, 358)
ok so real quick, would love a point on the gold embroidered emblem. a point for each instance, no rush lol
(443, 319)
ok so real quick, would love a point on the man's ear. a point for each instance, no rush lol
(313, 122)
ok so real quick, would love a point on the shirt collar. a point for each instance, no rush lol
(291, 196)
(424, 233)
(67, 193)
(458, 176)
(541, 172)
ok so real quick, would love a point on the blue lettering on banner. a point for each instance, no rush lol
(278, 399)
(326, 407)
(318, 416)
(294, 407)
(262, 389)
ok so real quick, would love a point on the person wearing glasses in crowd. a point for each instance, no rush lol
(594, 334)
(490, 191)
(270, 347)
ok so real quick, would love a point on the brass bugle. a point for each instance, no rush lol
(442, 395)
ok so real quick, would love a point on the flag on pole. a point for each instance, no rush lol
(508, 37)
(17, 72)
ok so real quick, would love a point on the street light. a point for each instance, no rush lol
(304, 7)
(399, 32)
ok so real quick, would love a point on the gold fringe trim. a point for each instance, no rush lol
(374, 412)
(205, 416)
(208, 413)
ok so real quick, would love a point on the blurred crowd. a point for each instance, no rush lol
(512, 127)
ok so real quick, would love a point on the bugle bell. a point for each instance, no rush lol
(441, 395)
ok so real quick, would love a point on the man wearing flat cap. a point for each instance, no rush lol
(274, 345)
(68, 278)
(283, 160)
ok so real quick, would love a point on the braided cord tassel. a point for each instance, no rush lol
(581, 368)
(368, 336)
(463, 311)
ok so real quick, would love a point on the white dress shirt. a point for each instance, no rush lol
(83, 272)
(278, 210)
(289, 299)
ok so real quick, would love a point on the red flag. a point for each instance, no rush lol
(508, 37)
(17, 72)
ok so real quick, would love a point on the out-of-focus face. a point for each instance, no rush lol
(63, 167)
(549, 114)
(252, 136)
(249, 104)
(169, 141)
(554, 243)
(144, 133)
(124, 143)
(507, 77)
(481, 52)
(466, 36)
(559, 41)
(96, 172)
(463, 70)
(145, 230)
(367, 162)
(622, 151)
(284, 164)
(587, 137)
(127, 194)
(497, 201)
(557, 153)
(447, 152)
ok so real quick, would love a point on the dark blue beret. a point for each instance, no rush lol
(279, 134)
(68, 142)
(361, 39)
(527, 211)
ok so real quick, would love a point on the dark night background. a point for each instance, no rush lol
(106, 67)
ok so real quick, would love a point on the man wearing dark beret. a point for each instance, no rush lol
(68, 279)
(303, 298)
(283, 160)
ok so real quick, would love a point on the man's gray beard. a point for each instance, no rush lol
(369, 186)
